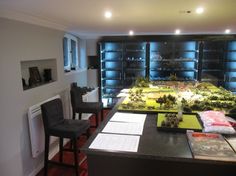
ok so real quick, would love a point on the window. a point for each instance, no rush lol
(70, 51)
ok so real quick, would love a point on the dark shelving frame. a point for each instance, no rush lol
(173, 52)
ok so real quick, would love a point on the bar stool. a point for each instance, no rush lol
(80, 107)
(55, 125)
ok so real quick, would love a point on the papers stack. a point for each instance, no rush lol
(117, 142)
(122, 133)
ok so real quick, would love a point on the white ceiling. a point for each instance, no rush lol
(85, 17)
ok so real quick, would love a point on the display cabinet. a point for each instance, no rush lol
(210, 58)
(174, 58)
(212, 66)
(134, 62)
(230, 66)
(121, 64)
(111, 57)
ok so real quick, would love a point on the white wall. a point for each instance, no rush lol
(82, 53)
(92, 74)
(91, 47)
(20, 41)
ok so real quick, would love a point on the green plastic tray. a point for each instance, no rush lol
(190, 122)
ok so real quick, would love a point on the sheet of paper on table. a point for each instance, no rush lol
(125, 90)
(122, 94)
(129, 117)
(128, 143)
(123, 128)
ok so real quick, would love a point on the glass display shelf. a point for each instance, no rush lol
(175, 60)
(135, 69)
(134, 60)
(112, 60)
(134, 50)
(104, 79)
(111, 69)
(213, 60)
(110, 51)
(231, 60)
(174, 69)
(230, 70)
(213, 50)
(211, 70)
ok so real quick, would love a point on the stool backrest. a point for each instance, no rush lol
(73, 84)
(52, 113)
(76, 96)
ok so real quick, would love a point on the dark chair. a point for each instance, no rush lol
(78, 106)
(55, 125)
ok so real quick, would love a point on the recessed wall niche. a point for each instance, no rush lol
(35, 73)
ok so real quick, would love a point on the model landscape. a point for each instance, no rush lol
(178, 122)
(171, 120)
(171, 96)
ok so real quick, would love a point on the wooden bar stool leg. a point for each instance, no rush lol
(102, 115)
(96, 120)
(73, 115)
(88, 133)
(61, 150)
(71, 144)
(76, 157)
(47, 140)
(80, 116)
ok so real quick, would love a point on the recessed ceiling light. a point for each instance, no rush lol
(131, 32)
(177, 31)
(108, 14)
(227, 31)
(199, 10)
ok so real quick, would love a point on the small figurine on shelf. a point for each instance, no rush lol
(24, 83)
(173, 77)
(35, 77)
(47, 75)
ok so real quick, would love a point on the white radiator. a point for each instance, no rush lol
(36, 128)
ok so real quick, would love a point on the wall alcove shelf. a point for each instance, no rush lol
(35, 73)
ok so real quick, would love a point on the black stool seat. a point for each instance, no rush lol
(70, 128)
(56, 125)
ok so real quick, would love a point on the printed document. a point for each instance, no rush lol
(129, 117)
(123, 128)
(116, 142)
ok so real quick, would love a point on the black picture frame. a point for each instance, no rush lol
(35, 77)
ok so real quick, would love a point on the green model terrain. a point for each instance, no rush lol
(189, 122)
(169, 95)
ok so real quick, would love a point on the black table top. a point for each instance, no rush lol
(153, 144)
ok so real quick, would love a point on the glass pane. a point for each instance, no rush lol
(73, 53)
(65, 52)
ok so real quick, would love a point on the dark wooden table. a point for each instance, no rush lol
(159, 154)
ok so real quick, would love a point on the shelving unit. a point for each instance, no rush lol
(121, 64)
(176, 58)
(111, 57)
(212, 66)
(134, 62)
(230, 66)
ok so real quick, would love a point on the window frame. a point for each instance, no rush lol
(68, 53)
